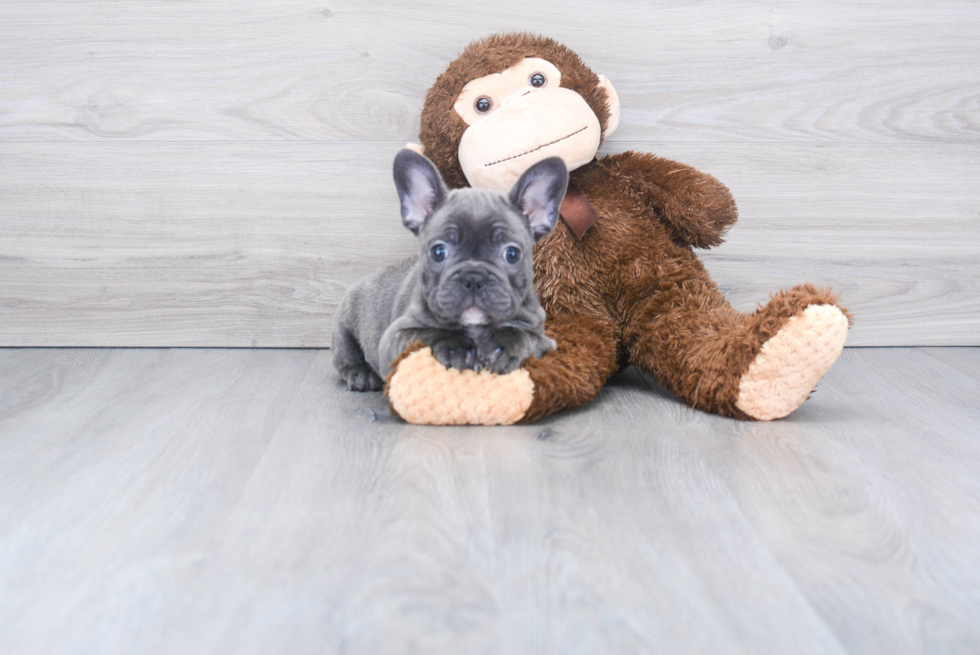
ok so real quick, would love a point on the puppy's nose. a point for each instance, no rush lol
(473, 280)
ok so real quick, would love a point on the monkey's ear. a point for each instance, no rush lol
(415, 147)
(420, 188)
(612, 100)
(539, 192)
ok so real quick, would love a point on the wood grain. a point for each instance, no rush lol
(705, 72)
(206, 501)
(966, 360)
(864, 492)
(209, 174)
(253, 244)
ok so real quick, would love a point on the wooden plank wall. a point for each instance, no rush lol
(217, 173)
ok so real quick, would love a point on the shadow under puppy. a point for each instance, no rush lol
(469, 295)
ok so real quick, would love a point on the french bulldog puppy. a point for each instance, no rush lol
(469, 295)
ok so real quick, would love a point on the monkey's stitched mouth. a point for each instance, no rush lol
(567, 136)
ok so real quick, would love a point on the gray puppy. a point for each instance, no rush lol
(470, 294)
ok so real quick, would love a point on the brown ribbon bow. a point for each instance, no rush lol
(577, 212)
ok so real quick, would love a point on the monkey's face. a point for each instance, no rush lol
(520, 117)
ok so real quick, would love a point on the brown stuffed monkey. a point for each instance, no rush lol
(619, 277)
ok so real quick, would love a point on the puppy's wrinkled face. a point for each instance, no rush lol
(476, 259)
(476, 243)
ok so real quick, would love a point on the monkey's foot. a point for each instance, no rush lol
(423, 391)
(791, 362)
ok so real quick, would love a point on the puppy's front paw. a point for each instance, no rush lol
(506, 351)
(501, 357)
(454, 351)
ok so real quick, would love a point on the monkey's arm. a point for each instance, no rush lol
(695, 206)
(422, 391)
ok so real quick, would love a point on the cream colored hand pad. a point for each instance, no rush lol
(790, 364)
(423, 391)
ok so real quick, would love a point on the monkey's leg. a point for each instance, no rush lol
(761, 365)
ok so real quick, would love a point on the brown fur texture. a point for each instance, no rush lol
(632, 290)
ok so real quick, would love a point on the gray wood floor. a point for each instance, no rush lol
(241, 501)
(218, 173)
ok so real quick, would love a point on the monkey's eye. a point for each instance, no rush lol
(537, 80)
(438, 252)
(512, 254)
(483, 104)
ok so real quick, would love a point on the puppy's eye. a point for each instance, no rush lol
(537, 80)
(483, 104)
(438, 252)
(512, 254)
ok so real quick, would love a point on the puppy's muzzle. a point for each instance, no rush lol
(476, 291)
(473, 280)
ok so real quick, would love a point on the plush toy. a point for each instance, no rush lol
(618, 277)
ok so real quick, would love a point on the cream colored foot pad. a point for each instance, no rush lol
(791, 363)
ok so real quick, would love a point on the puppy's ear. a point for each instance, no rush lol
(420, 188)
(539, 193)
